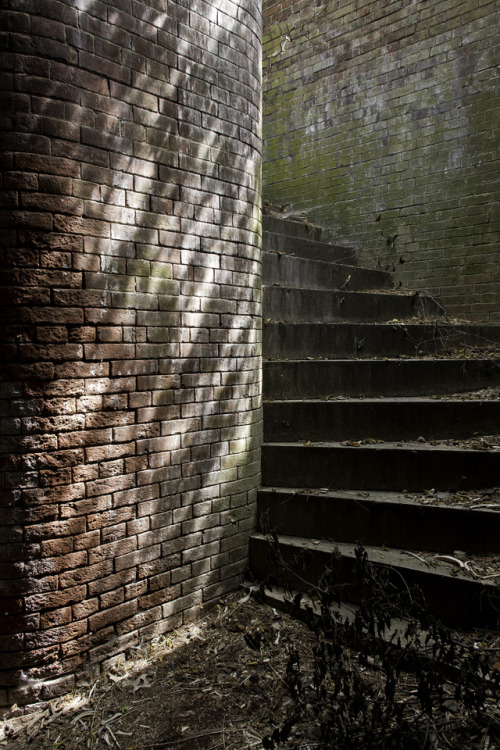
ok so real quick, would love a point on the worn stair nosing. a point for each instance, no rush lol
(384, 399)
(340, 402)
(463, 362)
(356, 495)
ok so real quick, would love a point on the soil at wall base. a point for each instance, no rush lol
(217, 684)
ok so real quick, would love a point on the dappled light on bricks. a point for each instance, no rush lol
(130, 386)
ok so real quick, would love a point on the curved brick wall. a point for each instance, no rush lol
(381, 124)
(130, 402)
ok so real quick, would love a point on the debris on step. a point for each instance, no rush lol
(478, 567)
(484, 394)
(476, 499)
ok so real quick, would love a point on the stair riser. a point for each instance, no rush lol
(290, 228)
(384, 420)
(454, 600)
(308, 248)
(285, 270)
(390, 524)
(363, 340)
(313, 305)
(378, 468)
(309, 379)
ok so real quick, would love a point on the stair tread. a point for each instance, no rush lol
(354, 292)
(299, 603)
(387, 497)
(377, 339)
(388, 399)
(455, 328)
(412, 445)
(395, 419)
(382, 274)
(440, 357)
(398, 558)
(397, 360)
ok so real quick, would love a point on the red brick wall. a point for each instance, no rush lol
(381, 125)
(130, 394)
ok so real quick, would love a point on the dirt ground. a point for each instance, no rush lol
(221, 684)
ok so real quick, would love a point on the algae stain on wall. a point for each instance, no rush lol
(381, 114)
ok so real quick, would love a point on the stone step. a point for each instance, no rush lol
(308, 248)
(364, 340)
(450, 594)
(286, 270)
(348, 378)
(387, 466)
(389, 519)
(322, 306)
(382, 419)
(290, 228)
(377, 377)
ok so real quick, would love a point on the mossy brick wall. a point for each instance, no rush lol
(130, 394)
(381, 123)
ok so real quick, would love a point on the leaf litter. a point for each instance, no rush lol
(217, 684)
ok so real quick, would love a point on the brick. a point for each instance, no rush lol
(113, 615)
(111, 582)
(153, 618)
(109, 351)
(136, 558)
(112, 598)
(62, 634)
(47, 164)
(107, 551)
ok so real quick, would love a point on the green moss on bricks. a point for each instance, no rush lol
(405, 129)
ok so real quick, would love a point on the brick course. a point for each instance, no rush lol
(130, 393)
(381, 125)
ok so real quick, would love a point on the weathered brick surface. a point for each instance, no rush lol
(130, 394)
(381, 125)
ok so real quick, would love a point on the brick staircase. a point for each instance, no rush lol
(369, 398)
